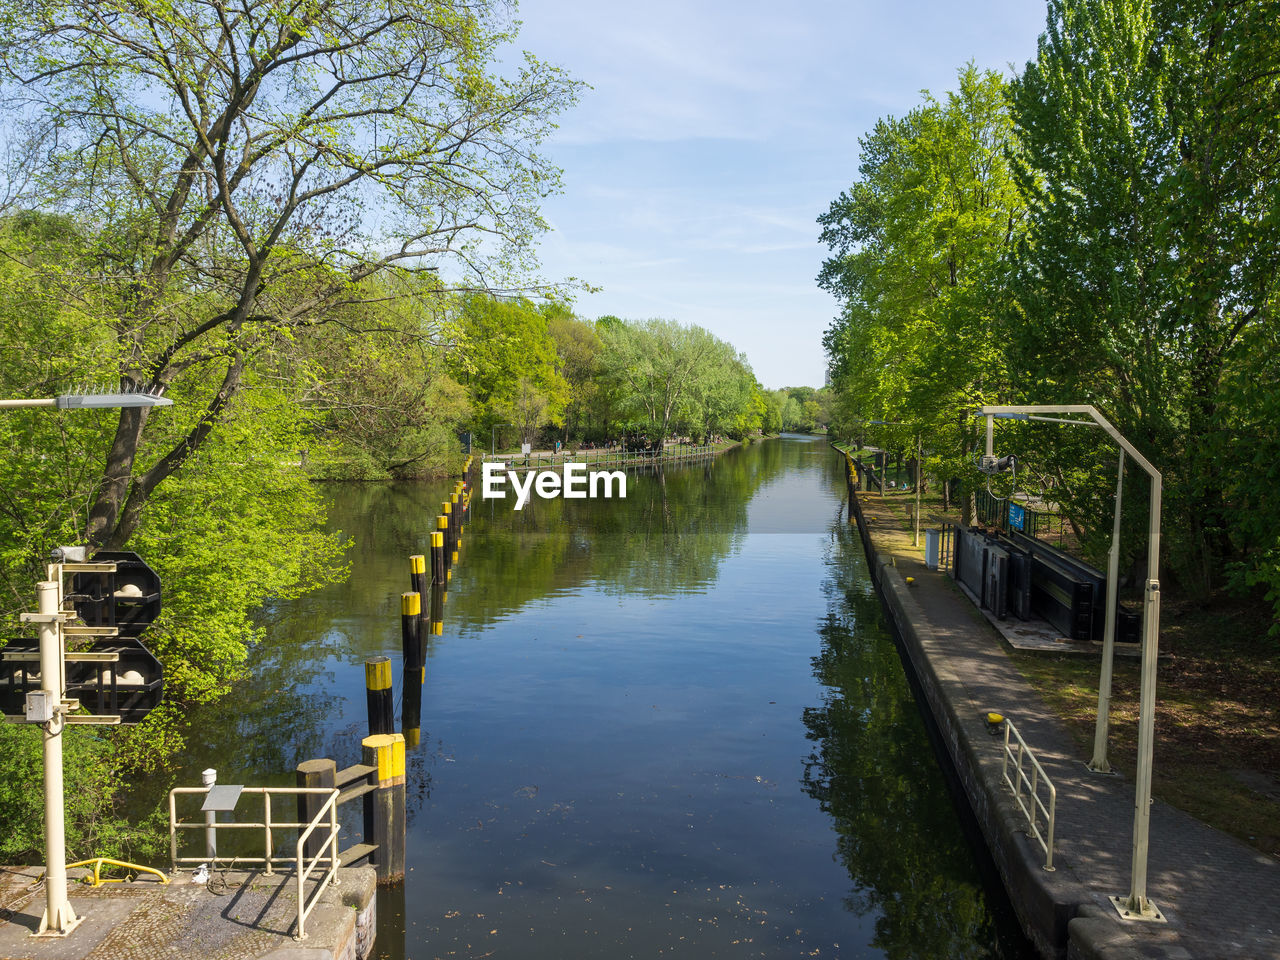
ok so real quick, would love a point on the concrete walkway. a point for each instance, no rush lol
(236, 916)
(1221, 897)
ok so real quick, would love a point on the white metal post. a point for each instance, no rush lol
(1136, 905)
(209, 778)
(59, 918)
(1099, 762)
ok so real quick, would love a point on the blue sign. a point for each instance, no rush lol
(1017, 517)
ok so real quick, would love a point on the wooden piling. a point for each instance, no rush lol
(384, 807)
(377, 688)
(314, 773)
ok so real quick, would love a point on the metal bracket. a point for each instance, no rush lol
(44, 617)
(1151, 914)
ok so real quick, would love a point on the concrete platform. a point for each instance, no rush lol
(240, 915)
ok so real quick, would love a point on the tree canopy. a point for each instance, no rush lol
(1102, 229)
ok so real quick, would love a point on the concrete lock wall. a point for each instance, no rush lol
(1044, 909)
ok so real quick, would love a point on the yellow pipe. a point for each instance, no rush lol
(99, 880)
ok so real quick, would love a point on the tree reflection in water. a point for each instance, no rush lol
(873, 770)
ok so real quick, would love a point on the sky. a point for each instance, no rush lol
(713, 135)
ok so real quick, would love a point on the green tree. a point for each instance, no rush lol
(916, 245)
(245, 168)
(1149, 270)
(385, 400)
(720, 396)
(578, 349)
(238, 526)
(655, 366)
(507, 360)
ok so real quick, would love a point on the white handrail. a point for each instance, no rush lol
(302, 866)
(1032, 807)
(331, 875)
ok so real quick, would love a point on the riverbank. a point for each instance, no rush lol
(615, 457)
(1219, 896)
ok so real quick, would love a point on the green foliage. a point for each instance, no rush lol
(91, 786)
(1102, 231)
(578, 349)
(508, 362)
(385, 402)
(1148, 134)
(802, 409)
(242, 527)
(236, 527)
(663, 374)
(916, 243)
(257, 170)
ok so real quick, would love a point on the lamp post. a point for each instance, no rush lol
(1136, 906)
(59, 918)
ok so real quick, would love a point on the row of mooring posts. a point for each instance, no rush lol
(379, 779)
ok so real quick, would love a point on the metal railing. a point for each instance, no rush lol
(1033, 808)
(303, 865)
(671, 453)
(947, 534)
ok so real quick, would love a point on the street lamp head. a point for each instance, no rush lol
(127, 398)
(979, 414)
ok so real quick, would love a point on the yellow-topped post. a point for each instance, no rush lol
(437, 551)
(377, 688)
(384, 808)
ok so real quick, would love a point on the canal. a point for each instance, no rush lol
(667, 726)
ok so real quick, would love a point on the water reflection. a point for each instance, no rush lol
(872, 770)
(624, 723)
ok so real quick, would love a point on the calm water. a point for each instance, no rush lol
(670, 726)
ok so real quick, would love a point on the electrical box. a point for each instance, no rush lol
(39, 706)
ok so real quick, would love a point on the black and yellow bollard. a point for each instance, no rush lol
(446, 511)
(384, 811)
(437, 552)
(456, 523)
(418, 576)
(411, 642)
(377, 688)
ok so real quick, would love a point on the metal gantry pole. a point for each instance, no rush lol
(1137, 906)
(1099, 762)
